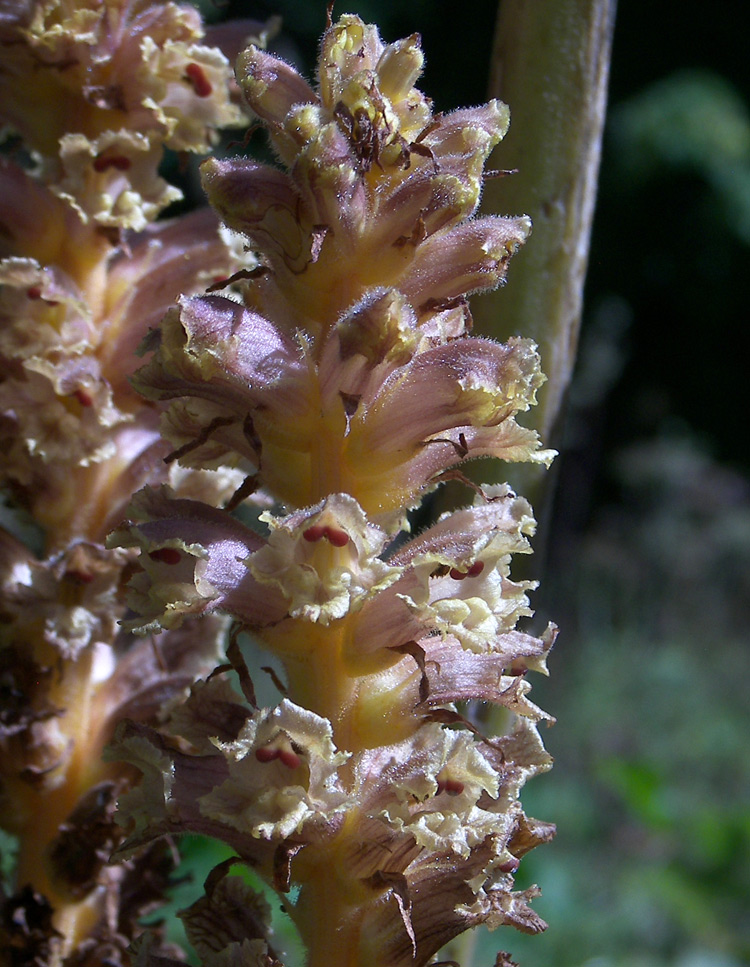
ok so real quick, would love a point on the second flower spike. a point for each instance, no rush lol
(340, 376)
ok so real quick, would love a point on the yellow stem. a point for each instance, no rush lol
(48, 808)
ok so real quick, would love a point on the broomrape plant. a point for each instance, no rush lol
(312, 358)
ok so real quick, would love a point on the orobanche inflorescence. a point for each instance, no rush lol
(335, 375)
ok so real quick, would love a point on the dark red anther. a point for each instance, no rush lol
(102, 162)
(476, 568)
(510, 866)
(166, 555)
(450, 786)
(84, 398)
(289, 758)
(79, 577)
(337, 537)
(197, 79)
(284, 753)
(34, 292)
(266, 754)
(314, 533)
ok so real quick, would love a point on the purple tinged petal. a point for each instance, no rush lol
(271, 86)
(424, 203)
(469, 258)
(169, 259)
(454, 134)
(468, 382)
(264, 205)
(215, 349)
(167, 799)
(376, 336)
(328, 178)
(449, 404)
(193, 563)
(33, 221)
(456, 536)
(457, 675)
(234, 36)
(387, 620)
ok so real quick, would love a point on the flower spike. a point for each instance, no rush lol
(342, 378)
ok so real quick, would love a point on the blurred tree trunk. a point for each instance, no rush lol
(550, 65)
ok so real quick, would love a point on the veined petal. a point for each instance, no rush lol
(239, 363)
(171, 258)
(203, 573)
(448, 404)
(468, 258)
(332, 187)
(471, 382)
(459, 537)
(236, 914)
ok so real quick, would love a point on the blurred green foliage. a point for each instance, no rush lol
(693, 121)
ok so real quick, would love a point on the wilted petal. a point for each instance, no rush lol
(229, 927)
